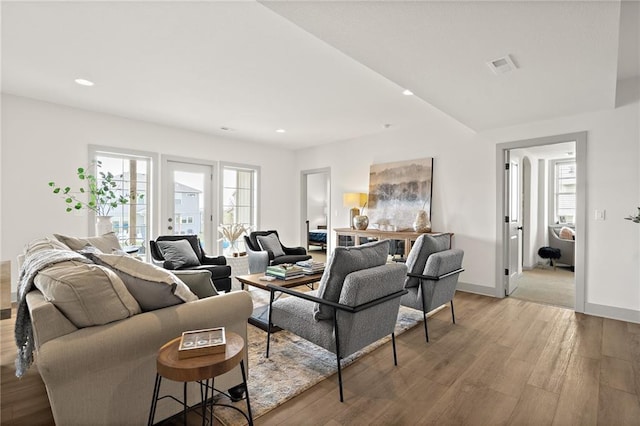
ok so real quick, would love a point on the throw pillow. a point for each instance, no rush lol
(270, 242)
(44, 243)
(178, 252)
(424, 247)
(85, 293)
(153, 287)
(343, 261)
(106, 243)
(567, 233)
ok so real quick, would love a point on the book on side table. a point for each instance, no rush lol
(202, 342)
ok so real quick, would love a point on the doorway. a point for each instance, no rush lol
(530, 206)
(188, 195)
(314, 210)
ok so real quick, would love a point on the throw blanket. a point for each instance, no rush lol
(33, 263)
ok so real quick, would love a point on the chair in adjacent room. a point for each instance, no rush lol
(265, 249)
(356, 304)
(433, 270)
(180, 252)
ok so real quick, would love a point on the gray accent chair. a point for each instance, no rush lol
(433, 271)
(259, 259)
(356, 304)
(567, 247)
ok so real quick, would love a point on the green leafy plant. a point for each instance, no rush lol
(102, 191)
(635, 218)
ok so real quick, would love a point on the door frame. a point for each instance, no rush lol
(580, 139)
(165, 159)
(303, 204)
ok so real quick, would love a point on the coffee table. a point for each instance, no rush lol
(260, 315)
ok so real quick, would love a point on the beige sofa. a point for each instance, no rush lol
(104, 374)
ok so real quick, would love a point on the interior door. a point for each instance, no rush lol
(512, 223)
(188, 209)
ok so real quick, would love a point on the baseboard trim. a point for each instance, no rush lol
(477, 289)
(622, 314)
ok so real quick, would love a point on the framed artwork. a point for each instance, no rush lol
(397, 191)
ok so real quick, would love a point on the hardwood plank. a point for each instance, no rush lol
(549, 372)
(578, 403)
(615, 341)
(616, 407)
(535, 407)
(588, 335)
(618, 374)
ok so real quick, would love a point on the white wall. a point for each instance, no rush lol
(43, 142)
(464, 197)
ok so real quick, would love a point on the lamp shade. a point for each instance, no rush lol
(354, 199)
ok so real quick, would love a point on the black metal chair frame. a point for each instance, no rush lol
(424, 303)
(336, 307)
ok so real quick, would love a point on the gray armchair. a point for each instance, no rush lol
(356, 304)
(274, 252)
(433, 271)
(567, 247)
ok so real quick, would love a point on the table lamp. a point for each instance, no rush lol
(354, 200)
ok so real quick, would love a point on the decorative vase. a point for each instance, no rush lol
(103, 225)
(422, 223)
(361, 222)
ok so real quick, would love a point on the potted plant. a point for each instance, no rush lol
(103, 195)
(231, 232)
(636, 218)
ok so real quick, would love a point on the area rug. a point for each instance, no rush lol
(293, 366)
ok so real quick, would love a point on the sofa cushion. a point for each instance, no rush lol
(86, 294)
(343, 261)
(153, 287)
(179, 253)
(107, 243)
(424, 246)
(271, 243)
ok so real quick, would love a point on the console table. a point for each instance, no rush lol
(409, 237)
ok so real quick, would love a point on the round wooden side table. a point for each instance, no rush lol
(202, 369)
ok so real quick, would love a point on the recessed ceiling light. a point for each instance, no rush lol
(407, 92)
(83, 82)
(281, 131)
(226, 129)
(387, 125)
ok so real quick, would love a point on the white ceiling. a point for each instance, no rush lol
(324, 71)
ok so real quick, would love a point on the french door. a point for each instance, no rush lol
(188, 206)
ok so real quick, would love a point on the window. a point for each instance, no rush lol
(131, 222)
(239, 196)
(564, 192)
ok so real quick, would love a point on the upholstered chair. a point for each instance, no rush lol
(356, 304)
(180, 252)
(566, 245)
(264, 248)
(433, 270)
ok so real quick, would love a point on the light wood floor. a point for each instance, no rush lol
(506, 361)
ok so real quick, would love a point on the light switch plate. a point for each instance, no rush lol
(600, 214)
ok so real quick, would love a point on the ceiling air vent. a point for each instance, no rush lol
(502, 65)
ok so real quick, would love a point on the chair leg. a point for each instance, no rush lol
(453, 315)
(424, 312)
(393, 342)
(269, 323)
(426, 331)
(335, 328)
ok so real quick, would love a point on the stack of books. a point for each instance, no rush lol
(310, 267)
(285, 271)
